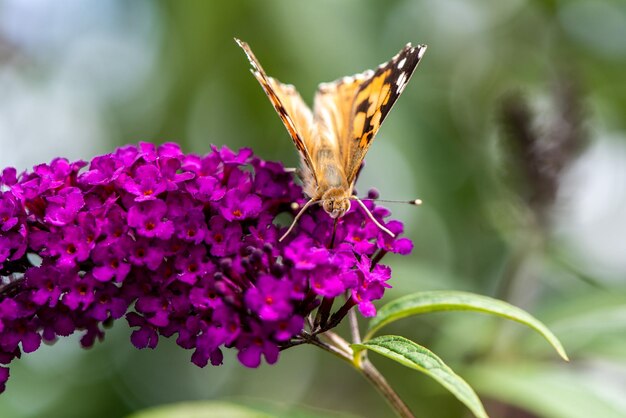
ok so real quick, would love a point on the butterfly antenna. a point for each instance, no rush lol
(295, 220)
(416, 202)
(369, 214)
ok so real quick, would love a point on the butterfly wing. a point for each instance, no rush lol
(333, 109)
(291, 109)
(355, 107)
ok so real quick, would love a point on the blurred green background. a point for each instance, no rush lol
(78, 78)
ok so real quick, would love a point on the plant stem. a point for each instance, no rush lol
(341, 348)
(336, 318)
(380, 383)
(354, 327)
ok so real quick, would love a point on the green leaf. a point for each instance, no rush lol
(249, 409)
(591, 322)
(414, 356)
(449, 300)
(278, 409)
(205, 409)
(549, 390)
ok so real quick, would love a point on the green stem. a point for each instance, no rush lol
(336, 345)
(380, 383)
(354, 327)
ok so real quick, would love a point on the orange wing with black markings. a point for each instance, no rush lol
(357, 106)
(334, 139)
(333, 108)
(290, 107)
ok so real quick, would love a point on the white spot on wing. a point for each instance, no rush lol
(401, 79)
(421, 52)
(401, 82)
(401, 63)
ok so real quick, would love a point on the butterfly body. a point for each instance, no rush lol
(333, 138)
(332, 188)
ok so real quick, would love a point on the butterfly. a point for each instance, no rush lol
(334, 137)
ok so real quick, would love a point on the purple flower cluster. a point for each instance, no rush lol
(179, 244)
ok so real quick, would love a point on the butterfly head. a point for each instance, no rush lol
(336, 202)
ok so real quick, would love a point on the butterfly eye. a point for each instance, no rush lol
(328, 206)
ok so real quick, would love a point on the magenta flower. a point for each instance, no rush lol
(4, 376)
(110, 261)
(71, 245)
(80, 294)
(149, 219)
(222, 237)
(103, 170)
(8, 311)
(145, 183)
(9, 216)
(400, 245)
(46, 285)
(270, 298)
(181, 245)
(63, 207)
(143, 252)
(256, 344)
(106, 303)
(207, 189)
(194, 267)
(240, 205)
(371, 285)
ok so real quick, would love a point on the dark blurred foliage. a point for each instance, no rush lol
(542, 153)
(524, 193)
